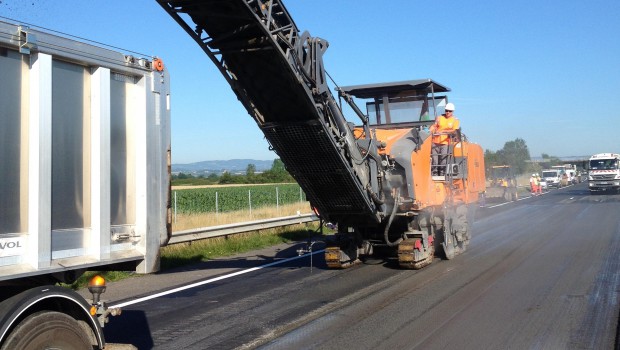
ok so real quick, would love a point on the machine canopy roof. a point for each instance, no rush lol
(420, 86)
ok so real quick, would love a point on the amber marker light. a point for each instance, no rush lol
(158, 64)
(96, 286)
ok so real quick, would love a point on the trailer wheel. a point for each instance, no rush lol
(48, 330)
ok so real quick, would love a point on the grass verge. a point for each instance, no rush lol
(189, 221)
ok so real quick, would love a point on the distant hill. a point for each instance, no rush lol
(220, 166)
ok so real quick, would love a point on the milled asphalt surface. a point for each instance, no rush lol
(542, 272)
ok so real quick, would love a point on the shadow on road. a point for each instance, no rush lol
(131, 327)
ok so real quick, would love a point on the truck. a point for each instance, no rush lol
(502, 183)
(372, 178)
(604, 172)
(84, 181)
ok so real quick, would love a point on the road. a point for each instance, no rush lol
(541, 273)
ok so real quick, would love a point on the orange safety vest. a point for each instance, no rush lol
(443, 124)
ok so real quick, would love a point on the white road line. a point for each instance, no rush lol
(211, 280)
(520, 199)
(499, 205)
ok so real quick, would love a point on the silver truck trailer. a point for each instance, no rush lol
(84, 180)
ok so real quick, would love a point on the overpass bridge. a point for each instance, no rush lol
(579, 161)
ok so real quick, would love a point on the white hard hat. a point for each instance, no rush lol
(449, 107)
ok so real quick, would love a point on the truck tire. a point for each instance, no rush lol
(48, 330)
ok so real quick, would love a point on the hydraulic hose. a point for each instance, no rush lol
(389, 223)
(375, 198)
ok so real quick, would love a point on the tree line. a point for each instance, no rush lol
(276, 174)
(516, 154)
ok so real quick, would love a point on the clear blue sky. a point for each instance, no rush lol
(544, 71)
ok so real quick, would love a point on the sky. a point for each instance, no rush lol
(547, 72)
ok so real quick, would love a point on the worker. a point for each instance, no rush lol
(564, 180)
(533, 184)
(445, 124)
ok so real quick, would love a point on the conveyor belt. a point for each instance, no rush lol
(279, 80)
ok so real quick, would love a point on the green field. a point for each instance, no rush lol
(203, 200)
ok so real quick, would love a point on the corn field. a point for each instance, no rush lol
(228, 199)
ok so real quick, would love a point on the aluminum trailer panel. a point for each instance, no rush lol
(85, 154)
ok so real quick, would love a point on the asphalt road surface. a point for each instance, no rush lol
(540, 273)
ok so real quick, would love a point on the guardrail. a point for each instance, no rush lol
(231, 229)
